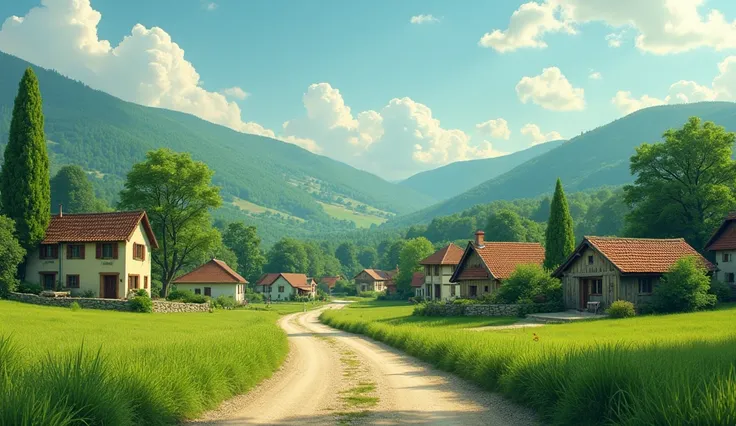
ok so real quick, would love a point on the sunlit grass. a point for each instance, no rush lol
(676, 369)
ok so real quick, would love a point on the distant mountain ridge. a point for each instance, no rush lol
(106, 136)
(599, 157)
(456, 178)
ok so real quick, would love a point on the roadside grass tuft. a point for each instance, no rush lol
(674, 369)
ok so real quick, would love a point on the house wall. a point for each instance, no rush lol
(483, 287)
(273, 290)
(365, 282)
(236, 291)
(724, 267)
(142, 268)
(448, 290)
(581, 269)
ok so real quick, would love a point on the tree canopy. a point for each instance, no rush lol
(288, 255)
(560, 236)
(507, 225)
(684, 186)
(244, 242)
(413, 251)
(71, 188)
(11, 254)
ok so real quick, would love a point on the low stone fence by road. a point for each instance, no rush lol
(491, 310)
(107, 304)
(434, 309)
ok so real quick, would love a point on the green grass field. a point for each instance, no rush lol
(247, 206)
(361, 220)
(134, 368)
(665, 370)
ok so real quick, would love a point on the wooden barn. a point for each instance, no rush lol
(606, 269)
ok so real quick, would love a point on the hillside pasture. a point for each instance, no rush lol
(675, 369)
(361, 220)
(64, 367)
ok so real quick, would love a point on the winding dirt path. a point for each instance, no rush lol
(334, 377)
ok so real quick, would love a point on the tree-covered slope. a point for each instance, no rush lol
(595, 158)
(106, 135)
(456, 178)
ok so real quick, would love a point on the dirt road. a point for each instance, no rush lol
(334, 377)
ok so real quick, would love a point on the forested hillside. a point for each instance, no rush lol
(280, 182)
(456, 178)
(596, 158)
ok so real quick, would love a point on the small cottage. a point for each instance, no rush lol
(417, 283)
(606, 269)
(330, 282)
(723, 245)
(485, 264)
(376, 280)
(284, 286)
(214, 279)
(438, 269)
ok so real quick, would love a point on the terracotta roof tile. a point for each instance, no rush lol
(97, 227)
(330, 281)
(725, 236)
(379, 275)
(267, 279)
(298, 281)
(473, 273)
(417, 279)
(644, 255)
(502, 258)
(213, 272)
(448, 255)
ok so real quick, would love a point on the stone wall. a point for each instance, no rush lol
(107, 304)
(435, 309)
(491, 310)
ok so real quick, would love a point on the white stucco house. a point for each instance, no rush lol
(107, 254)
(723, 245)
(282, 286)
(214, 279)
(438, 269)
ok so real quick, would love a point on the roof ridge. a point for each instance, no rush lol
(634, 238)
(99, 213)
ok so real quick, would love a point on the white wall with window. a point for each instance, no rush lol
(726, 267)
(215, 290)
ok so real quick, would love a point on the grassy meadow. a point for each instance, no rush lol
(654, 370)
(64, 367)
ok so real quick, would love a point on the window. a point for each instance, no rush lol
(72, 281)
(473, 291)
(591, 260)
(145, 282)
(730, 277)
(48, 251)
(485, 289)
(726, 257)
(596, 286)
(197, 291)
(281, 289)
(139, 251)
(48, 281)
(75, 251)
(452, 290)
(208, 291)
(134, 281)
(107, 251)
(436, 270)
(645, 285)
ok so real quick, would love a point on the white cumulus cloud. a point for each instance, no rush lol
(662, 26)
(423, 19)
(497, 129)
(235, 92)
(146, 67)
(614, 39)
(537, 136)
(551, 90)
(595, 75)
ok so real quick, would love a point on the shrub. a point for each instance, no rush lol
(684, 288)
(529, 284)
(88, 294)
(367, 294)
(12, 255)
(29, 288)
(621, 309)
(322, 295)
(394, 296)
(196, 298)
(224, 302)
(345, 287)
(141, 292)
(721, 290)
(75, 307)
(156, 288)
(186, 296)
(295, 298)
(253, 297)
(141, 304)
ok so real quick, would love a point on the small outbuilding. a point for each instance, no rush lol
(215, 278)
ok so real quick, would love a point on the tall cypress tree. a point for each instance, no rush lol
(560, 237)
(24, 179)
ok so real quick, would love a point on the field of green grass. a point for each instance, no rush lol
(361, 220)
(86, 367)
(247, 206)
(665, 370)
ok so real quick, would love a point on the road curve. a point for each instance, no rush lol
(308, 389)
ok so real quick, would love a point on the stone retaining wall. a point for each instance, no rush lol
(107, 304)
(491, 310)
(435, 309)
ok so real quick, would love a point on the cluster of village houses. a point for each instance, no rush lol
(107, 254)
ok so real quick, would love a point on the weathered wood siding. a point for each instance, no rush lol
(482, 285)
(629, 289)
(581, 269)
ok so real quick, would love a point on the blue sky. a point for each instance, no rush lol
(274, 50)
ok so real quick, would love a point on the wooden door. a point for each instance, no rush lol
(584, 290)
(437, 291)
(110, 287)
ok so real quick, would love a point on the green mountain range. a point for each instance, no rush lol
(595, 158)
(456, 178)
(269, 180)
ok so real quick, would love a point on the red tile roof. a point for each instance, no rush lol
(643, 255)
(213, 272)
(502, 258)
(330, 281)
(97, 227)
(473, 273)
(448, 255)
(379, 275)
(417, 279)
(299, 281)
(267, 279)
(725, 236)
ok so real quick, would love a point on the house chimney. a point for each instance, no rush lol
(61, 210)
(479, 238)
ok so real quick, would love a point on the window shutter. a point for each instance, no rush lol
(55, 252)
(115, 250)
(145, 282)
(81, 251)
(68, 251)
(143, 251)
(98, 255)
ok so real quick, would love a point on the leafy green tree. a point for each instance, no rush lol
(177, 193)
(529, 284)
(368, 257)
(560, 236)
(414, 250)
(391, 259)
(244, 242)
(347, 254)
(11, 255)
(315, 259)
(72, 189)
(24, 178)
(684, 186)
(332, 265)
(288, 255)
(684, 288)
(506, 225)
(221, 251)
